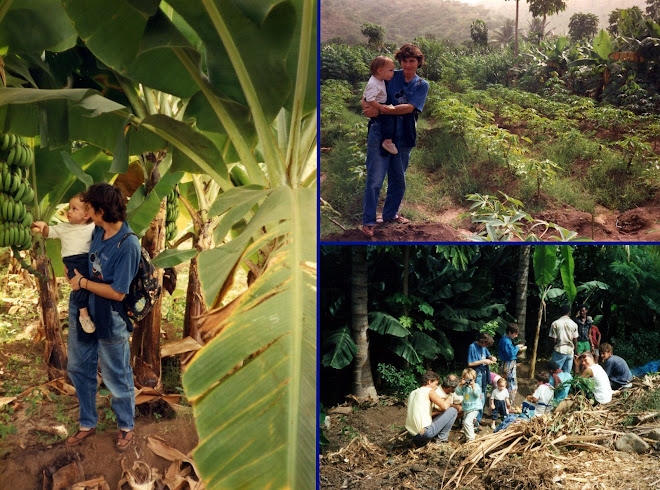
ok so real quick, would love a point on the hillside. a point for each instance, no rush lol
(448, 19)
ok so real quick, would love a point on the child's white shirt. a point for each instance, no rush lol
(543, 395)
(375, 90)
(75, 239)
(498, 394)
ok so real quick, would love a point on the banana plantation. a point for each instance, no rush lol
(557, 142)
(203, 113)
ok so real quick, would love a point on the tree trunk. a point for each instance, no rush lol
(145, 350)
(538, 332)
(521, 292)
(515, 49)
(363, 383)
(55, 351)
(195, 304)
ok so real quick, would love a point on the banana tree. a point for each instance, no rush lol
(546, 265)
(249, 70)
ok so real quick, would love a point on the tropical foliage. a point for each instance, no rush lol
(187, 79)
(457, 291)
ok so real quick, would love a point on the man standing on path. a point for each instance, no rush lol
(423, 420)
(565, 334)
(616, 368)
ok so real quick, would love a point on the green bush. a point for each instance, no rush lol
(343, 188)
(398, 382)
(572, 193)
(638, 348)
(616, 187)
(570, 146)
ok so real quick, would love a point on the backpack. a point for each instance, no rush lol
(144, 289)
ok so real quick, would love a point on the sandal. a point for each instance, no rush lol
(368, 230)
(124, 439)
(398, 219)
(79, 436)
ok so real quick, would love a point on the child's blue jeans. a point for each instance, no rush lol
(500, 409)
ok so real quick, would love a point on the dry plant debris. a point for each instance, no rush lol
(570, 449)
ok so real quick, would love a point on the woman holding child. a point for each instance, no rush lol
(114, 257)
(406, 92)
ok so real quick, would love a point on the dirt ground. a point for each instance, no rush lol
(641, 224)
(31, 455)
(369, 449)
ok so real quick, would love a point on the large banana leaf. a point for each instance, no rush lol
(253, 385)
(566, 268)
(342, 349)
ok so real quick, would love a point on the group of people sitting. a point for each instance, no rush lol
(434, 407)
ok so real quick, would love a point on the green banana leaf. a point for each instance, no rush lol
(386, 324)
(340, 349)
(258, 371)
(566, 269)
(49, 27)
(545, 264)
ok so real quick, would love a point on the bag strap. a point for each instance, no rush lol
(124, 238)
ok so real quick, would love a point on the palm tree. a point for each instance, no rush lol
(521, 290)
(536, 31)
(515, 49)
(506, 32)
(363, 382)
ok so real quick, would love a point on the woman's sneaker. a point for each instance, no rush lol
(87, 324)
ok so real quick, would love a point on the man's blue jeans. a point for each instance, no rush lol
(440, 427)
(378, 166)
(565, 361)
(115, 354)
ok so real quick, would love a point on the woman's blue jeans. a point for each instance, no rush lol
(379, 166)
(115, 356)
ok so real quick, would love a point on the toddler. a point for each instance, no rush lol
(76, 238)
(499, 402)
(375, 94)
(472, 404)
(542, 397)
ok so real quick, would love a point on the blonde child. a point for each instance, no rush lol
(375, 94)
(499, 401)
(542, 397)
(76, 238)
(472, 404)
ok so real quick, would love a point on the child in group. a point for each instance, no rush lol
(375, 94)
(559, 378)
(472, 403)
(499, 402)
(508, 354)
(542, 397)
(76, 238)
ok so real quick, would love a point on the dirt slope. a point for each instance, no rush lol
(636, 225)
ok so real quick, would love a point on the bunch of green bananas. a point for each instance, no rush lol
(16, 157)
(15, 151)
(172, 214)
